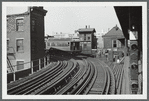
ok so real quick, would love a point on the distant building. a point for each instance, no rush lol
(59, 35)
(100, 39)
(64, 35)
(25, 37)
(88, 40)
(83, 41)
(73, 36)
(114, 41)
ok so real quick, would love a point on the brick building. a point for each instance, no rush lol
(114, 39)
(25, 37)
(114, 42)
(88, 40)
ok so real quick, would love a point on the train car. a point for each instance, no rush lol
(58, 43)
(65, 44)
(72, 45)
(75, 47)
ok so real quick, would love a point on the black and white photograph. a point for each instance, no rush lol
(74, 50)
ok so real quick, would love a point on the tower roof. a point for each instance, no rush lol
(86, 30)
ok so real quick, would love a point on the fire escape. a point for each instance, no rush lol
(10, 56)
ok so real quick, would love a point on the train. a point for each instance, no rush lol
(72, 46)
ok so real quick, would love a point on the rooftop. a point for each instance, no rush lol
(30, 9)
(20, 14)
(60, 39)
(114, 32)
(86, 29)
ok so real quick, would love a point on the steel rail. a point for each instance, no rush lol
(87, 79)
(17, 82)
(107, 82)
(100, 82)
(111, 80)
(59, 78)
(33, 78)
(74, 80)
(53, 82)
(93, 80)
(120, 82)
(41, 81)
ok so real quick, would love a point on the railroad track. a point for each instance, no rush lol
(81, 82)
(95, 78)
(99, 84)
(117, 69)
(71, 77)
(110, 83)
(36, 82)
(17, 82)
(74, 82)
(118, 74)
(89, 80)
(33, 80)
(105, 82)
(59, 81)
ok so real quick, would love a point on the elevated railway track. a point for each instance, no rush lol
(70, 76)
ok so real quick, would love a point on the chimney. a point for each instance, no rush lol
(40, 7)
(108, 29)
(76, 31)
(28, 8)
(116, 27)
(86, 26)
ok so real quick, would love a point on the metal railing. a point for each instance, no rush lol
(34, 66)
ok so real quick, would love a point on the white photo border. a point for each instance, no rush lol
(4, 54)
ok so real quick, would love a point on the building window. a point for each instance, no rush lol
(84, 37)
(20, 65)
(114, 43)
(88, 38)
(19, 24)
(19, 44)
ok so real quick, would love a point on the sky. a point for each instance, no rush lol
(67, 19)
